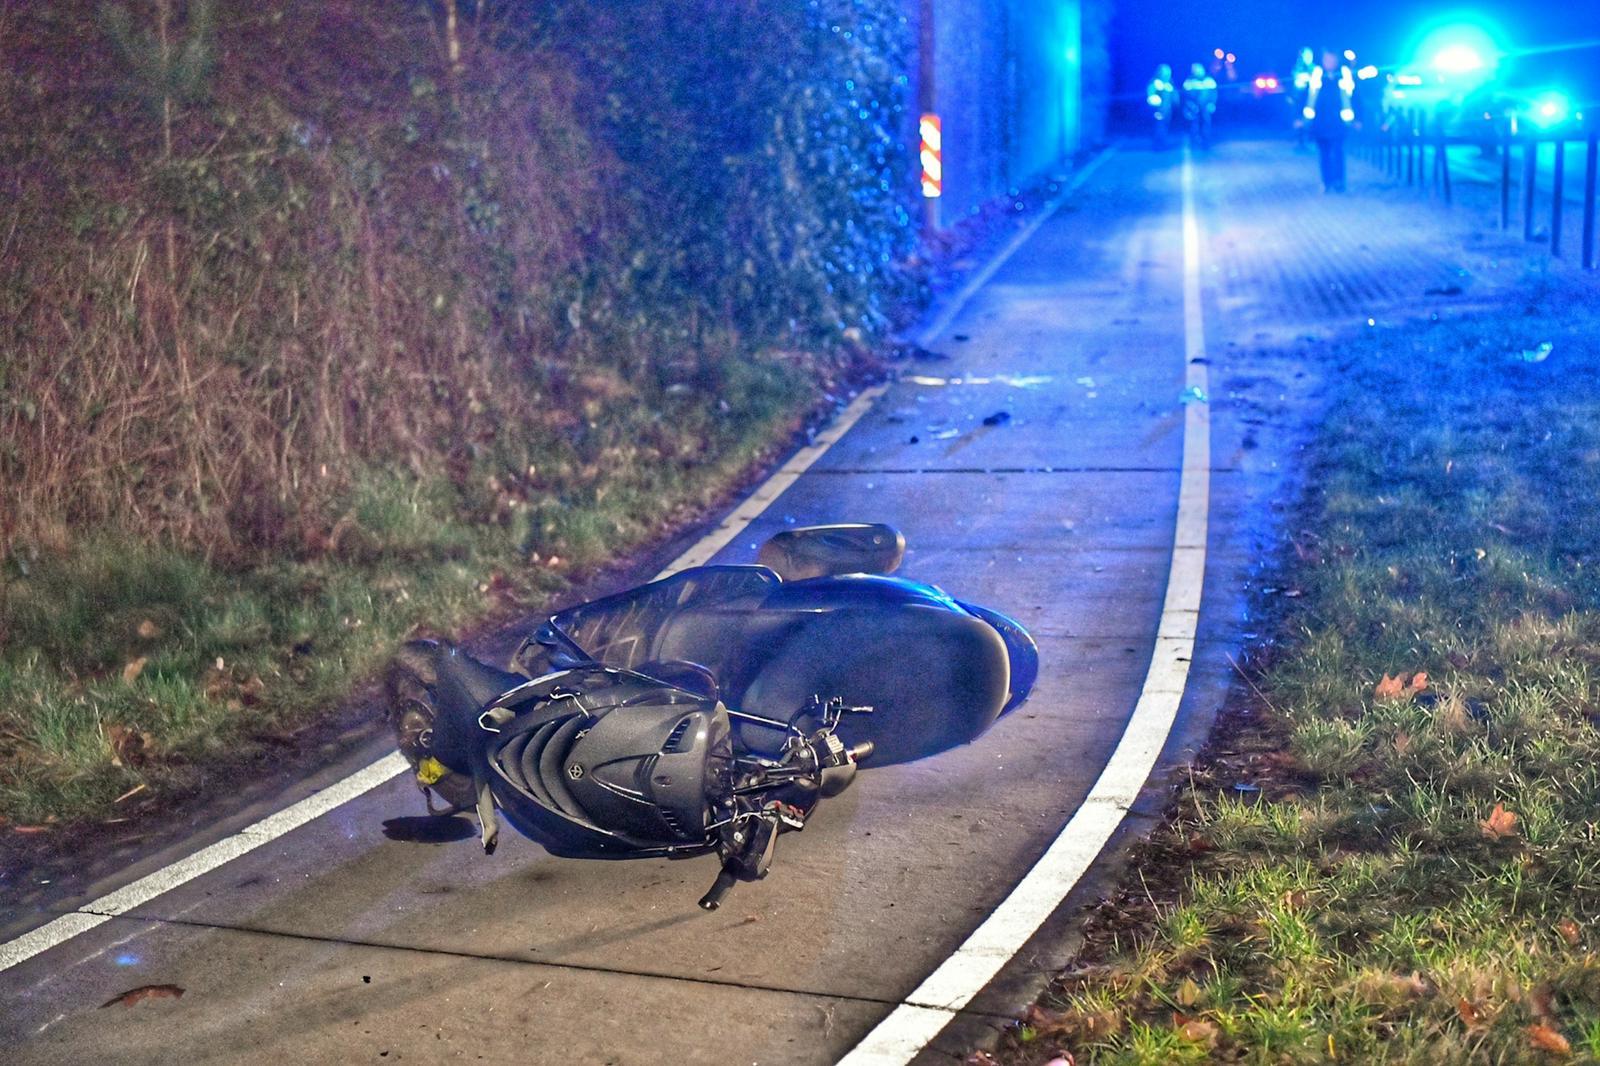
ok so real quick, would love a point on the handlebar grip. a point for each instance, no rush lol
(719, 888)
(862, 750)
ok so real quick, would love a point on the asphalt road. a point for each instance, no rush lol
(335, 943)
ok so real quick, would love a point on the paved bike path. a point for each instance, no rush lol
(1035, 470)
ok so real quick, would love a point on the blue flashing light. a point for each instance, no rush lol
(1458, 59)
(1460, 48)
(1549, 109)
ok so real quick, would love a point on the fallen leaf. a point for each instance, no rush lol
(1402, 742)
(1188, 992)
(148, 630)
(1043, 1021)
(1500, 824)
(134, 995)
(30, 829)
(1390, 688)
(1419, 681)
(1569, 931)
(133, 669)
(981, 1058)
(1547, 1039)
(1063, 1059)
(1197, 1030)
(1469, 1013)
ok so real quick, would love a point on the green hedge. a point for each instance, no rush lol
(258, 249)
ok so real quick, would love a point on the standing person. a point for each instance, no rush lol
(1159, 94)
(1304, 64)
(1329, 114)
(1199, 103)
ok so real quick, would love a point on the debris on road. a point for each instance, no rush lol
(134, 995)
(1539, 354)
(946, 434)
(999, 418)
(1017, 381)
(1443, 290)
(1193, 394)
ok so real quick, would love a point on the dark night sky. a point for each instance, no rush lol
(1266, 33)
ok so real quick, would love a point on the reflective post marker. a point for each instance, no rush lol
(932, 153)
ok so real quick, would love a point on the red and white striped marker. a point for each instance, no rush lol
(932, 156)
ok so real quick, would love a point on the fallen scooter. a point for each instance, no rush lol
(708, 712)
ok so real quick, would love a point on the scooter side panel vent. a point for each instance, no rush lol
(678, 740)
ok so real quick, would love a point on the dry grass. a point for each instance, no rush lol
(211, 321)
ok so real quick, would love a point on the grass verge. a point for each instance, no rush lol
(1389, 852)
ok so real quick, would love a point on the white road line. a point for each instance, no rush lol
(913, 1024)
(203, 861)
(98, 911)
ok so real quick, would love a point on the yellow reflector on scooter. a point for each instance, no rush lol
(429, 771)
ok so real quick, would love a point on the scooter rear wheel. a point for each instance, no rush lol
(410, 711)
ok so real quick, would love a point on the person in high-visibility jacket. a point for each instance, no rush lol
(1329, 114)
(1199, 103)
(1300, 88)
(1159, 94)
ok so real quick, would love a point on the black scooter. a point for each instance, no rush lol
(712, 710)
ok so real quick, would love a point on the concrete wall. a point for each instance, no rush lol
(1015, 83)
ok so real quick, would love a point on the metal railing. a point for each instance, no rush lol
(1412, 148)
